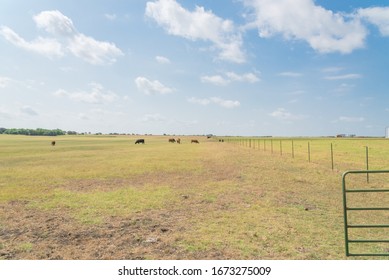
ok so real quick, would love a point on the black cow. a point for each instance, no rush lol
(140, 141)
(52, 143)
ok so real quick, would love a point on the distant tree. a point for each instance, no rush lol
(34, 132)
(2, 129)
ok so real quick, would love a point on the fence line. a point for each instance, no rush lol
(316, 155)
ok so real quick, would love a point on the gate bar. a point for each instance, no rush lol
(345, 209)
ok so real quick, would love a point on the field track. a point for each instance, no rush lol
(103, 197)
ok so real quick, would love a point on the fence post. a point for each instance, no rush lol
(332, 157)
(367, 164)
(281, 147)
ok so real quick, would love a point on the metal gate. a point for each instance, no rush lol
(347, 209)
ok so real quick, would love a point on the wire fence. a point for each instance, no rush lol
(339, 154)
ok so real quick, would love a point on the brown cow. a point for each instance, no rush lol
(178, 141)
(172, 140)
(52, 143)
(195, 141)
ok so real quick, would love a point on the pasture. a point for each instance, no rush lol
(103, 197)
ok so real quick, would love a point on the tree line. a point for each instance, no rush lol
(35, 132)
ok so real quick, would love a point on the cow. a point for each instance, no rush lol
(52, 143)
(178, 141)
(139, 141)
(172, 140)
(195, 141)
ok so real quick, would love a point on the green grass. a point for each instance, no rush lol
(215, 200)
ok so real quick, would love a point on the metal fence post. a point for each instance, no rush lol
(332, 157)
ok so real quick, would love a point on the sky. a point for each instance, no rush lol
(222, 67)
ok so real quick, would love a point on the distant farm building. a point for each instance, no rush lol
(345, 135)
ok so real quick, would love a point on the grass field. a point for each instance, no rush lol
(103, 197)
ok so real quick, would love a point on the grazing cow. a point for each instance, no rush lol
(139, 141)
(172, 140)
(52, 143)
(178, 141)
(195, 141)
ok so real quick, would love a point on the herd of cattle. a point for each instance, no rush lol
(171, 140)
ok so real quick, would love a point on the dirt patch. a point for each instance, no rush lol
(55, 235)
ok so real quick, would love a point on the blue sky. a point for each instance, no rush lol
(231, 67)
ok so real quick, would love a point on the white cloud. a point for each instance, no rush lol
(55, 22)
(351, 119)
(44, 46)
(229, 104)
(62, 27)
(247, 77)
(151, 87)
(283, 114)
(324, 30)
(111, 17)
(378, 16)
(291, 74)
(93, 51)
(216, 80)
(344, 77)
(97, 94)
(162, 59)
(230, 77)
(198, 25)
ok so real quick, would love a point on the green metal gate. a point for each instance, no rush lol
(348, 209)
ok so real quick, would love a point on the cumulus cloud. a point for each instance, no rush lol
(55, 22)
(198, 25)
(216, 80)
(283, 114)
(247, 77)
(44, 46)
(151, 87)
(324, 30)
(93, 51)
(66, 38)
(229, 104)
(230, 77)
(225, 103)
(96, 94)
(378, 16)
